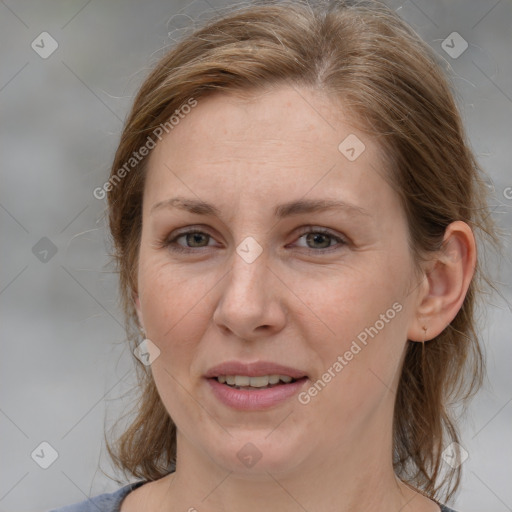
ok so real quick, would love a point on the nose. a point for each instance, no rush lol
(251, 304)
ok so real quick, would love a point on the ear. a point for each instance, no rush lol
(136, 301)
(446, 283)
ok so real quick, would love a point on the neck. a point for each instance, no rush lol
(357, 476)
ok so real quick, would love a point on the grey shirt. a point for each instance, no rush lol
(111, 502)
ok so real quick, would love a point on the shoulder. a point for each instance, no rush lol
(446, 509)
(108, 502)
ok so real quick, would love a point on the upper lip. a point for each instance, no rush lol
(256, 369)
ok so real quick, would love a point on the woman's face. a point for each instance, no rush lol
(322, 295)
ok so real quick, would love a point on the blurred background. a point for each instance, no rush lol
(69, 70)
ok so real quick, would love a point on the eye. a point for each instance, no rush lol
(194, 237)
(319, 239)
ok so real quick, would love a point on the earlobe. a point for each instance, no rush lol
(447, 282)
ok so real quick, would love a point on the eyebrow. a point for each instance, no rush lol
(281, 211)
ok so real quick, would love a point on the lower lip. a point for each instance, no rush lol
(257, 399)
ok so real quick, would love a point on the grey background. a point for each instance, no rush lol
(64, 364)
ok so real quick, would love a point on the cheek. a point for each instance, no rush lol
(165, 296)
(358, 369)
(176, 310)
(360, 318)
(343, 306)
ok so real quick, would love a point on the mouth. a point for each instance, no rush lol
(254, 386)
(248, 383)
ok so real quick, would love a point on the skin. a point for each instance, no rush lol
(300, 303)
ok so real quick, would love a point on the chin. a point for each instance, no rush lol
(255, 454)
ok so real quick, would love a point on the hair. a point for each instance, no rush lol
(365, 56)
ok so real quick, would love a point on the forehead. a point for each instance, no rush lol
(259, 147)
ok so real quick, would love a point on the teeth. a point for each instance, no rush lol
(255, 382)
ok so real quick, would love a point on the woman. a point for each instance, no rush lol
(277, 374)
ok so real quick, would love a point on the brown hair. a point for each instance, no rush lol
(364, 55)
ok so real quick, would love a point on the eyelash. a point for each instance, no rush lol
(170, 243)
